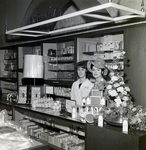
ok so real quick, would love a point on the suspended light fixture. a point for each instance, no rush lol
(89, 12)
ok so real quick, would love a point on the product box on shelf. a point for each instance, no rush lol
(31, 128)
(107, 38)
(96, 96)
(37, 132)
(51, 137)
(117, 54)
(90, 47)
(44, 135)
(99, 47)
(25, 125)
(108, 56)
(57, 137)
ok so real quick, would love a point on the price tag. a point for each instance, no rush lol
(100, 120)
(49, 90)
(35, 92)
(125, 125)
(22, 95)
(69, 104)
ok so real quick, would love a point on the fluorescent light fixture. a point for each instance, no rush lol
(28, 31)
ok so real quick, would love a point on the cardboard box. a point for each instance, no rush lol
(96, 92)
(56, 142)
(30, 129)
(95, 100)
(25, 125)
(51, 137)
(36, 132)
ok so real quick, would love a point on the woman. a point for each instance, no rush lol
(100, 75)
(82, 87)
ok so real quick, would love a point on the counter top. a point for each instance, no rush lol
(46, 114)
(50, 112)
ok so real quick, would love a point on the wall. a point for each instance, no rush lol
(17, 13)
(11, 15)
(135, 46)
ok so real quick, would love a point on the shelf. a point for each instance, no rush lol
(59, 83)
(63, 55)
(57, 62)
(61, 96)
(7, 79)
(61, 70)
(11, 59)
(20, 70)
(10, 70)
(9, 89)
(102, 52)
(111, 60)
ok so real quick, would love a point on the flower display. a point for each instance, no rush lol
(119, 100)
(116, 89)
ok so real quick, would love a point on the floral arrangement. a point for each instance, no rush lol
(119, 100)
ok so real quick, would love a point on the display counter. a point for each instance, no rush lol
(48, 119)
(47, 115)
(107, 137)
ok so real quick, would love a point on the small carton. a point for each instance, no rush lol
(57, 137)
(50, 137)
(30, 129)
(25, 125)
(44, 135)
(37, 132)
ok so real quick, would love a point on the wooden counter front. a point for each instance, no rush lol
(112, 138)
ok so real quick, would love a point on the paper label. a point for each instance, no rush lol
(100, 121)
(125, 125)
(49, 90)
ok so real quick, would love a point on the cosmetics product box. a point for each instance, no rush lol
(37, 132)
(107, 38)
(96, 92)
(44, 135)
(117, 54)
(99, 47)
(105, 46)
(60, 139)
(57, 137)
(25, 125)
(50, 137)
(107, 56)
(95, 100)
(30, 129)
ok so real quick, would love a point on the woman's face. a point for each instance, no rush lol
(81, 72)
(96, 72)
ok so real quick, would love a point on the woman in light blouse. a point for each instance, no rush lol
(82, 87)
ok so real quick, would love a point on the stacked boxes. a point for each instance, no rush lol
(32, 128)
(60, 139)
(96, 96)
(107, 47)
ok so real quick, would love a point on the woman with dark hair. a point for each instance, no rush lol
(82, 87)
(99, 72)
